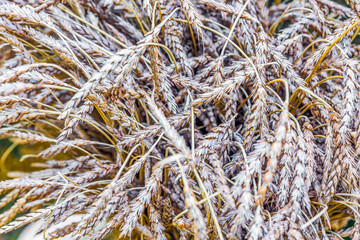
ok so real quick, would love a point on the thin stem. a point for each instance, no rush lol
(234, 25)
(307, 80)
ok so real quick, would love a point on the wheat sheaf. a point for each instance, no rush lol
(181, 119)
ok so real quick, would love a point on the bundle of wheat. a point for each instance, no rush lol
(181, 119)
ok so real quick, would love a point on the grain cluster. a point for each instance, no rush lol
(182, 119)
